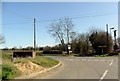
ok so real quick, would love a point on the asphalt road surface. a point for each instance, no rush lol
(84, 68)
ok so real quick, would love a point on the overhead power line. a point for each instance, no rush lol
(80, 17)
(94, 15)
(17, 23)
(21, 15)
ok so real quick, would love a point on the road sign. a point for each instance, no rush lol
(102, 47)
(69, 47)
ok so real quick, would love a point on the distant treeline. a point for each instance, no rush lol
(25, 48)
(46, 48)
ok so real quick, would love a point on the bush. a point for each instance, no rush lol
(104, 55)
(6, 56)
(52, 52)
(113, 53)
(9, 71)
(39, 53)
(99, 45)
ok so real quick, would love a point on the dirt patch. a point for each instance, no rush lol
(28, 67)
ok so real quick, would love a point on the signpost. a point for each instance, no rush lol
(102, 48)
(115, 46)
(69, 47)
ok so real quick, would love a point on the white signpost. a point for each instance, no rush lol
(69, 47)
(102, 47)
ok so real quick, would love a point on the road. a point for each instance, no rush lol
(84, 68)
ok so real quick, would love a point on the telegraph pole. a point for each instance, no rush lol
(34, 34)
(107, 31)
(115, 46)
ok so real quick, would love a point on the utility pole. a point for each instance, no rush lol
(68, 42)
(34, 34)
(115, 46)
(107, 31)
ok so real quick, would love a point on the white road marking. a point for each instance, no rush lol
(96, 59)
(103, 75)
(105, 72)
(84, 59)
(111, 63)
(89, 60)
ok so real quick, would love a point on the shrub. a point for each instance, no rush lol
(6, 56)
(9, 71)
(113, 53)
(52, 52)
(104, 55)
(39, 53)
(101, 43)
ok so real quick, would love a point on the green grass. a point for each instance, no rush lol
(44, 61)
(58, 54)
(20, 60)
(0, 71)
(103, 55)
(52, 54)
(40, 60)
(118, 54)
(9, 71)
(6, 54)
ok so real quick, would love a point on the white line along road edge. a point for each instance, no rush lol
(105, 72)
(103, 75)
(111, 63)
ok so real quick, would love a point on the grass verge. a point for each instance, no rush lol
(44, 61)
(0, 72)
(9, 71)
(39, 60)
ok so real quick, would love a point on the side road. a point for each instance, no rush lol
(84, 68)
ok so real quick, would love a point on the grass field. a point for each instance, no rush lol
(9, 71)
(0, 72)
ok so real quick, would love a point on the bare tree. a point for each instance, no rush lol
(81, 44)
(62, 30)
(56, 30)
